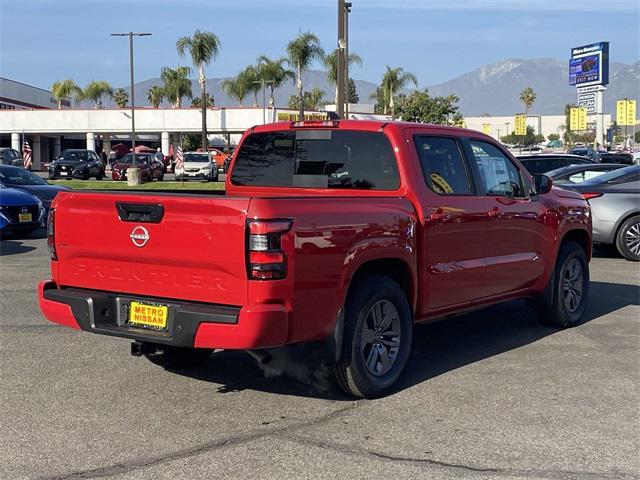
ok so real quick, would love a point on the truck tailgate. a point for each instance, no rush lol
(195, 251)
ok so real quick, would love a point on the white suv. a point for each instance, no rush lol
(198, 166)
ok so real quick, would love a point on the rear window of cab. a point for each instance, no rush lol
(317, 158)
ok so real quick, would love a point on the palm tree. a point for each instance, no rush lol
(250, 76)
(273, 71)
(121, 97)
(527, 97)
(176, 84)
(203, 47)
(236, 88)
(155, 95)
(301, 53)
(331, 64)
(395, 80)
(96, 90)
(65, 89)
(197, 101)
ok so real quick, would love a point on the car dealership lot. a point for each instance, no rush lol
(487, 395)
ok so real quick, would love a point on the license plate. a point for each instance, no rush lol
(64, 174)
(24, 217)
(148, 316)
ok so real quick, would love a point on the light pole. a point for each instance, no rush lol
(507, 125)
(133, 101)
(347, 11)
(264, 97)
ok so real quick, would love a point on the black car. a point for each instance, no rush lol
(583, 152)
(574, 174)
(77, 163)
(21, 179)
(545, 162)
(9, 156)
(614, 157)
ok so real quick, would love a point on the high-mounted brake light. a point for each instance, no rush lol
(590, 195)
(265, 258)
(316, 124)
(51, 240)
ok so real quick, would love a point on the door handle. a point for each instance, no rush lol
(438, 216)
(493, 213)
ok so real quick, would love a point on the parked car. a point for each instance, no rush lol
(21, 179)
(545, 162)
(148, 164)
(583, 151)
(614, 157)
(77, 163)
(22, 212)
(579, 173)
(9, 156)
(615, 204)
(199, 166)
(336, 234)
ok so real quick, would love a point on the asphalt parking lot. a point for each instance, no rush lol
(487, 395)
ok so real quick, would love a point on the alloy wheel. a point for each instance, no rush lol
(632, 238)
(381, 333)
(572, 285)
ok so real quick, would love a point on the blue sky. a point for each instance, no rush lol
(42, 41)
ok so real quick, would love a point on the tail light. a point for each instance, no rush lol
(51, 238)
(265, 258)
(590, 195)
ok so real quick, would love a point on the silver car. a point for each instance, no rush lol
(615, 204)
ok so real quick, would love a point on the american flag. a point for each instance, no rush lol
(26, 155)
(179, 159)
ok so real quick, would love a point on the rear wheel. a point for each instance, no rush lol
(377, 337)
(628, 239)
(569, 289)
(100, 175)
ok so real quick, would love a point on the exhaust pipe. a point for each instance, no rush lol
(142, 348)
(261, 356)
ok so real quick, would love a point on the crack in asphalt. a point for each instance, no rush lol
(464, 469)
(131, 465)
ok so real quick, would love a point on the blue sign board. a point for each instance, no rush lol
(589, 65)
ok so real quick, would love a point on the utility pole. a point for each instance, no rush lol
(340, 60)
(133, 100)
(347, 11)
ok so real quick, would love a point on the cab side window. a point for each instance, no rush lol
(442, 165)
(498, 175)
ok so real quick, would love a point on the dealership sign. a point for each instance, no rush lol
(589, 65)
(587, 101)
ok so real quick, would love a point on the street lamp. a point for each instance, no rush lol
(264, 97)
(347, 11)
(133, 119)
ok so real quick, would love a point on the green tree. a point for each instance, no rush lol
(191, 142)
(203, 47)
(273, 72)
(528, 98)
(66, 88)
(250, 76)
(552, 137)
(419, 106)
(529, 139)
(121, 97)
(301, 53)
(331, 64)
(312, 100)
(237, 87)
(96, 91)
(378, 98)
(394, 81)
(155, 95)
(353, 92)
(197, 101)
(176, 84)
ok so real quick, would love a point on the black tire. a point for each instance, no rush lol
(566, 306)
(85, 175)
(351, 371)
(161, 177)
(628, 239)
(179, 358)
(100, 175)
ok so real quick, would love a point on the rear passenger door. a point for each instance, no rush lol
(516, 234)
(452, 267)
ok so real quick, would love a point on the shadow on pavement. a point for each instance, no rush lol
(438, 348)
(13, 247)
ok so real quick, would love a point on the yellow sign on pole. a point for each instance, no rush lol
(631, 112)
(486, 128)
(626, 112)
(520, 124)
(577, 119)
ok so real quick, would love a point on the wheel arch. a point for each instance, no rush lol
(620, 222)
(581, 237)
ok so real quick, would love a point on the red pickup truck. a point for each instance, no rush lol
(343, 232)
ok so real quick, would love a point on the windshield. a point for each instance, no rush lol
(140, 158)
(74, 155)
(614, 175)
(196, 157)
(19, 176)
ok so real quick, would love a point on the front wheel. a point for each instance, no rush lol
(377, 337)
(569, 286)
(628, 239)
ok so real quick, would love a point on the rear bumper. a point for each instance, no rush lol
(190, 324)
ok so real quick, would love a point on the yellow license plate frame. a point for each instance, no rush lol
(25, 217)
(147, 315)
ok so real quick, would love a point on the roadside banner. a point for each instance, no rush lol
(26, 155)
(520, 123)
(486, 128)
(577, 119)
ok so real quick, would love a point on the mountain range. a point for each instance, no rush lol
(492, 89)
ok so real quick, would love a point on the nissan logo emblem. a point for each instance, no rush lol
(139, 236)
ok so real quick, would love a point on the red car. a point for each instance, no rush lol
(338, 234)
(150, 167)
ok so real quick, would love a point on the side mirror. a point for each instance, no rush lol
(542, 184)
